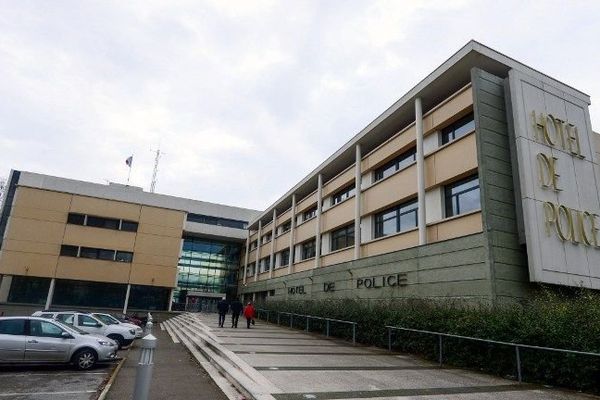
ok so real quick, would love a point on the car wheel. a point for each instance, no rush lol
(84, 359)
(117, 338)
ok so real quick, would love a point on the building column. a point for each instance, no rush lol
(50, 294)
(357, 202)
(170, 299)
(292, 230)
(273, 232)
(318, 224)
(126, 303)
(5, 283)
(258, 245)
(420, 172)
(247, 256)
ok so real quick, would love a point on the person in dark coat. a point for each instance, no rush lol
(222, 308)
(249, 313)
(236, 310)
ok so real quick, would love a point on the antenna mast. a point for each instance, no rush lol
(155, 172)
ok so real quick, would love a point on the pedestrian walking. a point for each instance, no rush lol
(222, 308)
(236, 309)
(249, 313)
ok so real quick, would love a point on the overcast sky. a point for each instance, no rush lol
(246, 97)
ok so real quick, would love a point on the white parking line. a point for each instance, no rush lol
(56, 374)
(45, 393)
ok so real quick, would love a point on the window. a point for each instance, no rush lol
(44, 329)
(129, 226)
(398, 163)
(99, 222)
(124, 256)
(458, 129)
(396, 219)
(342, 238)
(250, 269)
(311, 213)
(266, 264)
(253, 244)
(209, 220)
(85, 320)
(69, 251)
(308, 249)
(343, 194)
(284, 258)
(267, 237)
(88, 252)
(108, 255)
(76, 219)
(462, 196)
(285, 227)
(12, 327)
(65, 318)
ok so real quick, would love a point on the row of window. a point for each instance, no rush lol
(102, 222)
(95, 253)
(207, 219)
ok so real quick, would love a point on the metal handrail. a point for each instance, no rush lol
(308, 319)
(517, 346)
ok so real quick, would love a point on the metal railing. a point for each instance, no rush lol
(517, 346)
(308, 318)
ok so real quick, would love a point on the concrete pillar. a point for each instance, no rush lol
(145, 367)
(258, 244)
(318, 224)
(50, 293)
(420, 172)
(170, 299)
(273, 232)
(126, 303)
(247, 257)
(5, 288)
(357, 202)
(292, 231)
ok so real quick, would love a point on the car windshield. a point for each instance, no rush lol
(107, 319)
(70, 328)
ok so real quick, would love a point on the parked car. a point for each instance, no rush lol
(130, 319)
(111, 320)
(34, 340)
(86, 322)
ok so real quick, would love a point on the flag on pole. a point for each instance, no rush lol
(129, 161)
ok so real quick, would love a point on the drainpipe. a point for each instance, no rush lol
(420, 172)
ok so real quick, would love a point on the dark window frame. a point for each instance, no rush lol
(309, 249)
(309, 214)
(285, 227)
(284, 255)
(94, 221)
(452, 204)
(343, 194)
(67, 250)
(399, 162)
(458, 129)
(399, 213)
(342, 238)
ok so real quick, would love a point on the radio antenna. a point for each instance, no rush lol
(155, 172)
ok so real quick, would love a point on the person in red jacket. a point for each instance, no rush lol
(249, 313)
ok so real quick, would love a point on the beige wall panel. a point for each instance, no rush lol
(152, 275)
(160, 230)
(251, 256)
(105, 208)
(280, 272)
(461, 226)
(35, 230)
(339, 215)
(340, 181)
(92, 270)
(162, 217)
(304, 265)
(267, 228)
(97, 237)
(393, 243)
(39, 214)
(149, 259)
(402, 185)
(305, 231)
(460, 104)
(27, 246)
(253, 236)
(17, 263)
(282, 242)
(263, 276)
(389, 149)
(42, 199)
(451, 161)
(306, 203)
(265, 251)
(338, 257)
(157, 245)
(284, 217)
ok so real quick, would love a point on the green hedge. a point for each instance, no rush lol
(550, 319)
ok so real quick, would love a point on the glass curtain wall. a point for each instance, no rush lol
(206, 266)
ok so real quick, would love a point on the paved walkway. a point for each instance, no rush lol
(176, 374)
(306, 366)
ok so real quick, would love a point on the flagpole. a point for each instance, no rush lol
(129, 163)
(128, 175)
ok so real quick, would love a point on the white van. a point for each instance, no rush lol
(124, 336)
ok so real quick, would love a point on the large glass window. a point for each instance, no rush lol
(209, 220)
(124, 256)
(285, 227)
(149, 297)
(28, 290)
(100, 222)
(284, 258)
(462, 196)
(343, 237)
(398, 163)
(265, 264)
(458, 129)
(69, 251)
(89, 294)
(343, 194)
(396, 219)
(309, 249)
(76, 219)
(311, 213)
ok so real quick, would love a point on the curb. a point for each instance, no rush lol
(110, 382)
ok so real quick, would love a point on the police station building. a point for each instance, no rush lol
(479, 183)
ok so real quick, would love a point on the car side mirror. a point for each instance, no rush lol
(66, 335)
